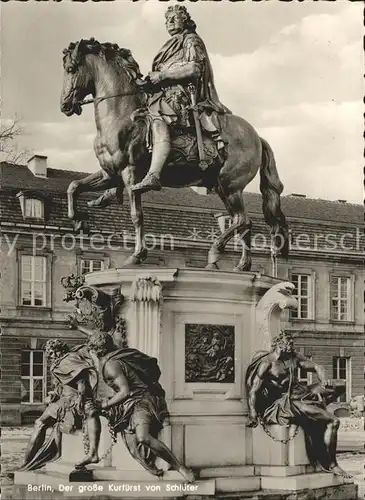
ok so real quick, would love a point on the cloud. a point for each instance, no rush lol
(79, 160)
(318, 146)
(303, 62)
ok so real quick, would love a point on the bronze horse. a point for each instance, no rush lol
(111, 75)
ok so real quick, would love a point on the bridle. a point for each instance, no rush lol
(98, 100)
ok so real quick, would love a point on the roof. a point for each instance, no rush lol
(19, 177)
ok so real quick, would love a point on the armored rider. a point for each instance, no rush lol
(183, 61)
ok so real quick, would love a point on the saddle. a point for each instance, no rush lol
(184, 149)
(184, 141)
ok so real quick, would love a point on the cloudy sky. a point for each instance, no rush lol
(294, 70)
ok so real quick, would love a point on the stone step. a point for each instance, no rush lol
(232, 471)
(113, 474)
(284, 470)
(237, 484)
(299, 482)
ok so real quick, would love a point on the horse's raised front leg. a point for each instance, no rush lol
(140, 250)
(90, 183)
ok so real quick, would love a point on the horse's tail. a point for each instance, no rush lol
(271, 188)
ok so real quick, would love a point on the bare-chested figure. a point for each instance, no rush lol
(275, 396)
(138, 408)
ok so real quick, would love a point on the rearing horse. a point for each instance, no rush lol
(110, 74)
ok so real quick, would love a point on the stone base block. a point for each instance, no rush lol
(299, 482)
(267, 451)
(239, 471)
(284, 470)
(202, 443)
(113, 474)
(237, 484)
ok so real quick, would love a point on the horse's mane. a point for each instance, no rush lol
(110, 52)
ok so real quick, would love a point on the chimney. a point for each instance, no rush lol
(38, 165)
(297, 195)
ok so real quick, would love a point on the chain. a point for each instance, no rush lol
(283, 441)
(85, 437)
(113, 436)
(86, 441)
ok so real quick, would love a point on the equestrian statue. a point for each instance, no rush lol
(168, 129)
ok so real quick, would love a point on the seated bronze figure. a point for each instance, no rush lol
(276, 396)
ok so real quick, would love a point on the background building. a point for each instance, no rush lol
(38, 248)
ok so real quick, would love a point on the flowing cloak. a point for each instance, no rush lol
(276, 405)
(145, 404)
(66, 371)
(188, 46)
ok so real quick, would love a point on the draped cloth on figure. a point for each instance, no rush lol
(296, 404)
(66, 370)
(69, 368)
(145, 403)
(189, 47)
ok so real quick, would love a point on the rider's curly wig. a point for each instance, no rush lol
(101, 343)
(283, 338)
(181, 10)
(56, 346)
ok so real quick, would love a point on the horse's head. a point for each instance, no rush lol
(81, 59)
(76, 78)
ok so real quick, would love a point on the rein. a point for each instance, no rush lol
(98, 100)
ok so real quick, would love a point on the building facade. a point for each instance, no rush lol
(39, 247)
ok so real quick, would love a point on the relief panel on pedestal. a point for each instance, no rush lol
(206, 361)
(209, 353)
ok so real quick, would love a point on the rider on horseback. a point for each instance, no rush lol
(182, 61)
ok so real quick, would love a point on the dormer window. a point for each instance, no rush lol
(34, 208)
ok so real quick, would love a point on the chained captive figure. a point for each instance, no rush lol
(71, 401)
(275, 396)
(181, 65)
(138, 408)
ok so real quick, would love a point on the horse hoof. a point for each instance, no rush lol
(212, 266)
(242, 269)
(132, 261)
(142, 255)
(78, 226)
(136, 259)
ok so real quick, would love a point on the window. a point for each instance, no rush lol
(304, 376)
(340, 298)
(90, 265)
(342, 372)
(33, 280)
(33, 208)
(33, 377)
(304, 295)
(224, 222)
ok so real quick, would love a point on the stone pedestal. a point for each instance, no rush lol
(203, 327)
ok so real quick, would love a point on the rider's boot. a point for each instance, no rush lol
(160, 152)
